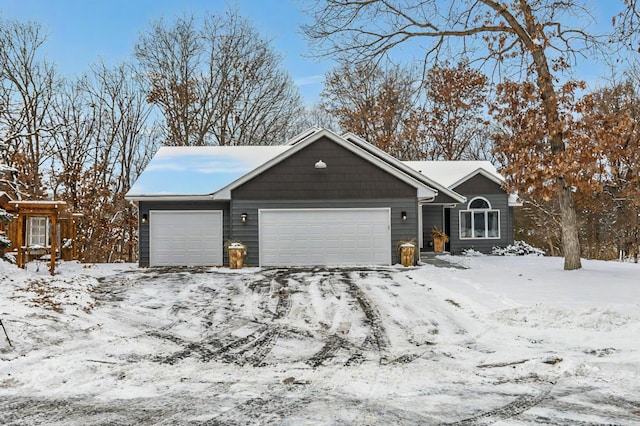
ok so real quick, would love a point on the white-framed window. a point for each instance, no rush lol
(479, 220)
(38, 231)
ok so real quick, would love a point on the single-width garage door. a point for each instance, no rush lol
(185, 238)
(304, 237)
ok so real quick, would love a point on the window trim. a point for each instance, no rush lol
(47, 231)
(473, 212)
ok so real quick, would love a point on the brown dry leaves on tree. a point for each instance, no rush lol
(454, 118)
(374, 103)
(440, 118)
(601, 160)
(522, 144)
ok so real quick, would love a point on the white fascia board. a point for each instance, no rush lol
(223, 194)
(426, 192)
(514, 201)
(414, 174)
(497, 179)
(167, 197)
(302, 135)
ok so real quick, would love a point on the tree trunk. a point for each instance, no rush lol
(531, 30)
(569, 223)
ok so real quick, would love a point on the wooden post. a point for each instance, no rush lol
(20, 240)
(74, 244)
(54, 237)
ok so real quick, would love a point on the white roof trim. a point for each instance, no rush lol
(483, 172)
(302, 135)
(514, 201)
(403, 167)
(199, 197)
(424, 189)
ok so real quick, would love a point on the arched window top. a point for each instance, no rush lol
(479, 203)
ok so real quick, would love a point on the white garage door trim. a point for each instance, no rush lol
(329, 236)
(185, 237)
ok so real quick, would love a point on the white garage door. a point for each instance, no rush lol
(305, 237)
(185, 238)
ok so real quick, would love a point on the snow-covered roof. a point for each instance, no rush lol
(199, 171)
(202, 172)
(453, 173)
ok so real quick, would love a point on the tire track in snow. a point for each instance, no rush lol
(520, 405)
(378, 336)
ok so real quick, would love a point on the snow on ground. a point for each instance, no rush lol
(507, 341)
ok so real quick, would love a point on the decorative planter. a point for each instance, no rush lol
(407, 254)
(439, 238)
(438, 244)
(237, 253)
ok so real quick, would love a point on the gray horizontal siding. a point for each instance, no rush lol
(498, 202)
(347, 176)
(478, 185)
(247, 232)
(145, 206)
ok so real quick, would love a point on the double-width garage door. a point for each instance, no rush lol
(185, 238)
(305, 237)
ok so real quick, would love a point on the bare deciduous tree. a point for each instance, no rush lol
(125, 139)
(27, 86)
(104, 140)
(438, 118)
(217, 82)
(373, 102)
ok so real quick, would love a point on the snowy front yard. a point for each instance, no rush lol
(507, 341)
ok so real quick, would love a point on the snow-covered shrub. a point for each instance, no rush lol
(5, 216)
(4, 240)
(471, 252)
(67, 243)
(9, 257)
(518, 248)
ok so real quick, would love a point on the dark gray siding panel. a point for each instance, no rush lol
(248, 232)
(145, 206)
(347, 176)
(499, 202)
(432, 215)
(478, 185)
(444, 199)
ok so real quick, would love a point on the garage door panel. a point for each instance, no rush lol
(303, 237)
(192, 238)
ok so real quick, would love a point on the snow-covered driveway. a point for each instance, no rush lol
(492, 344)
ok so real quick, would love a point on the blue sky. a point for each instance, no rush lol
(81, 31)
